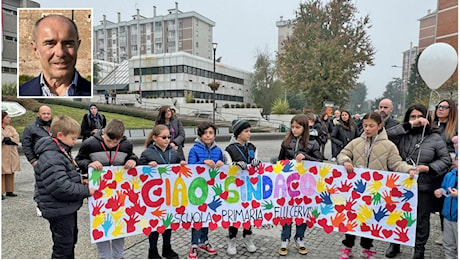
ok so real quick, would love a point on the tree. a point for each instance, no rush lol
(325, 54)
(96, 72)
(393, 92)
(417, 90)
(296, 99)
(357, 98)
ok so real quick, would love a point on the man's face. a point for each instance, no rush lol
(385, 108)
(337, 114)
(44, 113)
(56, 45)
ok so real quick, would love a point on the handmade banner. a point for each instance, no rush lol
(375, 204)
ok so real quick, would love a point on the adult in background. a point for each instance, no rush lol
(32, 133)
(432, 164)
(55, 42)
(385, 110)
(10, 156)
(334, 121)
(344, 132)
(175, 127)
(323, 120)
(92, 123)
(358, 123)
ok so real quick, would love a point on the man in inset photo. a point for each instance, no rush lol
(55, 41)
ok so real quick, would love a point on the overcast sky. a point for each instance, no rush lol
(245, 26)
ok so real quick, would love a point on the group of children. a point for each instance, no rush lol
(57, 177)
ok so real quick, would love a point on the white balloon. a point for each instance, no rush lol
(437, 63)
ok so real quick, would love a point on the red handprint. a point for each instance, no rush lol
(260, 168)
(97, 208)
(251, 170)
(402, 234)
(130, 223)
(132, 195)
(102, 184)
(387, 198)
(350, 203)
(346, 186)
(141, 210)
(375, 230)
(112, 203)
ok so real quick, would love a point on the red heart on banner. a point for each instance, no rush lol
(158, 192)
(108, 175)
(236, 224)
(97, 194)
(365, 227)
(203, 207)
(143, 177)
(222, 175)
(126, 186)
(351, 175)
(141, 210)
(387, 233)
(342, 228)
(161, 229)
(225, 224)
(339, 208)
(239, 182)
(197, 225)
(406, 207)
(377, 176)
(186, 225)
(269, 168)
(153, 222)
(322, 222)
(313, 170)
(175, 226)
(245, 204)
(212, 225)
(132, 172)
(298, 201)
(390, 207)
(112, 185)
(291, 202)
(366, 176)
(276, 221)
(328, 229)
(180, 210)
(147, 231)
(200, 169)
(402, 223)
(329, 180)
(258, 222)
(307, 200)
(351, 215)
(310, 224)
(254, 180)
(282, 221)
(395, 192)
(299, 221)
(281, 201)
(216, 218)
(247, 224)
(97, 234)
(268, 216)
(210, 182)
(224, 195)
(175, 169)
(255, 204)
(318, 199)
(367, 199)
(355, 195)
(336, 173)
(288, 221)
(295, 185)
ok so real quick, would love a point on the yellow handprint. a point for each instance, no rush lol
(408, 183)
(118, 228)
(339, 199)
(374, 186)
(300, 169)
(143, 223)
(364, 213)
(394, 216)
(119, 174)
(278, 167)
(233, 169)
(108, 192)
(324, 170)
(98, 220)
(136, 183)
(118, 214)
(321, 185)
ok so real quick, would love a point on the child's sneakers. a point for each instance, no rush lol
(231, 249)
(301, 246)
(283, 249)
(193, 253)
(345, 252)
(249, 244)
(208, 248)
(368, 254)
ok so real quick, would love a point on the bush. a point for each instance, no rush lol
(189, 98)
(226, 106)
(24, 78)
(232, 106)
(280, 106)
(9, 89)
(248, 105)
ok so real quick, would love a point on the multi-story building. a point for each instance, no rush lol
(176, 31)
(285, 28)
(10, 37)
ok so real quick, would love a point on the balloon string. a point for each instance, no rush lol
(424, 127)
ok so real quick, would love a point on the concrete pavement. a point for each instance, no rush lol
(26, 236)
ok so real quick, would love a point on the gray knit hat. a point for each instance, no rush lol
(239, 126)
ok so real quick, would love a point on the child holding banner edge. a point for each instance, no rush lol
(159, 151)
(204, 151)
(241, 152)
(297, 145)
(371, 150)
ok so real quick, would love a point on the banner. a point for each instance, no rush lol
(375, 204)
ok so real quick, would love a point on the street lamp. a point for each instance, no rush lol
(403, 89)
(214, 47)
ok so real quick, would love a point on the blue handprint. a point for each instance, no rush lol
(326, 209)
(107, 224)
(288, 167)
(381, 213)
(215, 203)
(326, 198)
(407, 195)
(148, 170)
(360, 186)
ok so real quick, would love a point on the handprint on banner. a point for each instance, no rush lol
(332, 189)
(408, 216)
(164, 170)
(98, 220)
(215, 203)
(185, 171)
(108, 192)
(118, 230)
(407, 195)
(119, 174)
(350, 203)
(326, 198)
(321, 185)
(360, 186)
(168, 220)
(376, 198)
(288, 166)
(375, 230)
(217, 189)
(346, 186)
(388, 198)
(324, 170)
(351, 225)
(338, 219)
(159, 213)
(381, 213)
(144, 223)
(97, 208)
(394, 216)
(267, 205)
(326, 209)
(136, 183)
(260, 168)
(149, 171)
(233, 169)
(107, 224)
(300, 169)
(118, 214)
(131, 222)
(315, 212)
(402, 234)
(364, 213)
(213, 172)
(95, 177)
(374, 186)
(391, 181)
(278, 167)
(408, 183)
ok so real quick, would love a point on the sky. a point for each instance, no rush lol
(245, 27)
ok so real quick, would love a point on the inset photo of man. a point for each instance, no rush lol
(54, 53)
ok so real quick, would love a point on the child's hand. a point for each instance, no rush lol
(130, 164)
(96, 165)
(183, 163)
(91, 191)
(210, 163)
(348, 166)
(299, 158)
(438, 193)
(153, 164)
(219, 163)
(453, 192)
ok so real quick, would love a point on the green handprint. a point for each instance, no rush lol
(376, 198)
(267, 205)
(162, 170)
(168, 220)
(217, 189)
(315, 212)
(213, 172)
(96, 177)
(408, 217)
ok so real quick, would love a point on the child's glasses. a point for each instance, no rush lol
(165, 137)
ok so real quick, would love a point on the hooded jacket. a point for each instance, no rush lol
(59, 187)
(200, 152)
(450, 208)
(32, 133)
(154, 153)
(236, 152)
(311, 152)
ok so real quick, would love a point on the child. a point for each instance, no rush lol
(449, 188)
(107, 148)
(159, 151)
(241, 152)
(297, 145)
(204, 151)
(60, 191)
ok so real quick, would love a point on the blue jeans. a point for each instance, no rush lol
(199, 236)
(299, 231)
